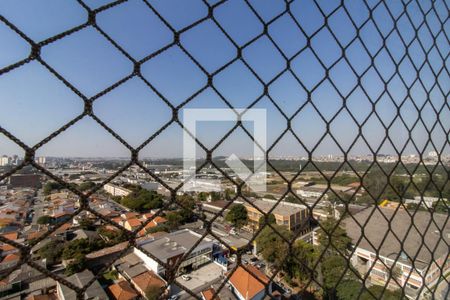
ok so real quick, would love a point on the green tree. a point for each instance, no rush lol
(272, 246)
(77, 265)
(45, 220)
(300, 263)
(142, 200)
(237, 215)
(333, 238)
(348, 289)
(381, 293)
(86, 186)
(186, 211)
(50, 186)
(202, 196)
(52, 251)
(81, 246)
(374, 183)
(174, 220)
(270, 219)
(86, 224)
(153, 292)
(334, 270)
(112, 236)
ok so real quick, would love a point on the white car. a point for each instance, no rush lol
(185, 277)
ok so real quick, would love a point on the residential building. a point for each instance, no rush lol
(116, 190)
(122, 290)
(40, 160)
(4, 161)
(94, 291)
(147, 279)
(292, 215)
(208, 294)
(246, 287)
(418, 266)
(132, 224)
(171, 247)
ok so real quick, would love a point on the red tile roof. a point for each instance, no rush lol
(147, 279)
(122, 291)
(11, 258)
(246, 283)
(209, 293)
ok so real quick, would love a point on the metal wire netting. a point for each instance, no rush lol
(415, 26)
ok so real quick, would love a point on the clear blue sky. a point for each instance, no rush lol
(34, 103)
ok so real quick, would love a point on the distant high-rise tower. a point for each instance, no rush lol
(40, 160)
(4, 161)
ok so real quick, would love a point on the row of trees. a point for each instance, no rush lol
(53, 186)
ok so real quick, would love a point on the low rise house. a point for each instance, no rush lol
(148, 279)
(208, 294)
(171, 247)
(246, 287)
(132, 224)
(122, 290)
(94, 291)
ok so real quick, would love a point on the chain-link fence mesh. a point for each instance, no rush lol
(381, 48)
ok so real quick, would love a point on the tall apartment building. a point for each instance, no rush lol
(4, 161)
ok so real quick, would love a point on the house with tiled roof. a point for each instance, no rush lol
(94, 291)
(11, 236)
(208, 294)
(13, 257)
(129, 215)
(249, 285)
(122, 290)
(157, 221)
(145, 280)
(132, 224)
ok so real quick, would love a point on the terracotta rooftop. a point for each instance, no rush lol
(146, 279)
(7, 247)
(129, 215)
(134, 222)
(11, 236)
(11, 258)
(208, 294)
(122, 291)
(246, 284)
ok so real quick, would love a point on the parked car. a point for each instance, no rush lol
(186, 277)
